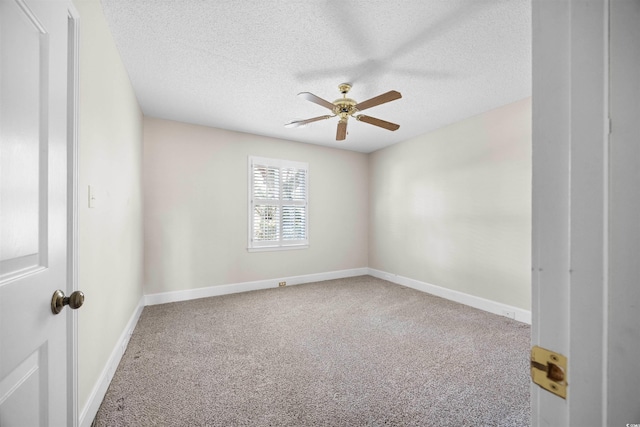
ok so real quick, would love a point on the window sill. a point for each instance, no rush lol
(277, 248)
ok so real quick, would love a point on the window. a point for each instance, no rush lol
(278, 204)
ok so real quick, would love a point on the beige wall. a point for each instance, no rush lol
(110, 235)
(453, 207)
(195, 208)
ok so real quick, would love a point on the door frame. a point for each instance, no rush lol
(570, 204)
(73, 84)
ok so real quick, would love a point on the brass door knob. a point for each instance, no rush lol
(58, 301)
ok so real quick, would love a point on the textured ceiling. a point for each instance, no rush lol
(239, 65)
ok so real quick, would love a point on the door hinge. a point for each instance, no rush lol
(549, 370)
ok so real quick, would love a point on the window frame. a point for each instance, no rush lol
(276, 245)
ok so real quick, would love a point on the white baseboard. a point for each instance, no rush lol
(90, 410)
(470, 300)
(494, 307)
(212, 291)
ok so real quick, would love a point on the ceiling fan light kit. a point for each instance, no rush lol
(346, 107)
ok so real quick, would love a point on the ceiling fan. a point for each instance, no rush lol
(345, 107)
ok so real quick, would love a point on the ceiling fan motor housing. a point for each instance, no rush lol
(344, 107)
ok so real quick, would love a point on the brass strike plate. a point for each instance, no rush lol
(549, 370)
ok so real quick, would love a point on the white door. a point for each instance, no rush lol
(34, 120)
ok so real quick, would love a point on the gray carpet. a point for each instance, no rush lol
(348, 352)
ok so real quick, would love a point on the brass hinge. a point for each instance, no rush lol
(549, 370)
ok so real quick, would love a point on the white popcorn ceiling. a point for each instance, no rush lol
(238, 65)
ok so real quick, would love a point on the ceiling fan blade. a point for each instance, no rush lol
(317, 100)
(392, 95)
(342, 130)
(377, 122)
(298, 123)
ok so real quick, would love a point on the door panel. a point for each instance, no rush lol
(23, 133)
(33, 212)
(22, 387)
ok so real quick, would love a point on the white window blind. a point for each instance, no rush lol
(278, 203)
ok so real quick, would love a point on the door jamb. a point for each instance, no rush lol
(570, 202)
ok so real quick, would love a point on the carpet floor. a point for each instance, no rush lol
(350, 352)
